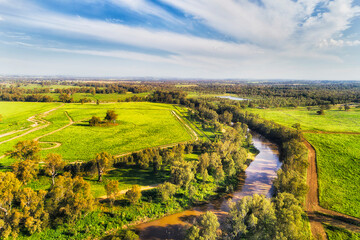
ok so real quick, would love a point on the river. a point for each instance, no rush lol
(257, 178)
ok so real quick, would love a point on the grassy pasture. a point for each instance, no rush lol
(338, 159)
(140, 125)
(333, 120)
(15, 114)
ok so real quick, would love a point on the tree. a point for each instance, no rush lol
(54, 164)
(340, 108)
(205, 228)
(103, 161)
(204, 163)
(112, 190)
(26, 150)
(25, 170)
(252, 218)
(69, 199)
(166, 191)
(111, 116)
(308, 108)
(347, 107)
(134, 194)
(34, 217)
(248, 139)
(181, 173)
(9, 186)
(66, 98)
(321, 112)
(288, 216)
(94, 121)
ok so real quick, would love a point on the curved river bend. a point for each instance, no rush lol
(257, 178)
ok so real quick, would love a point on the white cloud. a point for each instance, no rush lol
(274, 37)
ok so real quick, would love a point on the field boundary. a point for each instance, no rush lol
(317, 214)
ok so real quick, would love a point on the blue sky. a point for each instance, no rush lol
(256, 39)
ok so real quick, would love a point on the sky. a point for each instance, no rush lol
(216, 39)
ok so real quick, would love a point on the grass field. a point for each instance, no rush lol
(335, 233)
(14, 114)
(338, 159)
(333, 120)
(140, 125)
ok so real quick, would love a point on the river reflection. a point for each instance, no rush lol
(256, 179)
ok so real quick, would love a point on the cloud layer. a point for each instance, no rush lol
(203, 38)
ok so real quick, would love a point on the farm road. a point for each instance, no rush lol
(56, 144)
(34, 126)
(318, 215)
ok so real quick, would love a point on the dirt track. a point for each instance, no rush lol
(56, 144)
(317, 214)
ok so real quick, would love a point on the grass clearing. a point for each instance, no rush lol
(338, 171)
(333, 120)
(15, 114)
(140, 126)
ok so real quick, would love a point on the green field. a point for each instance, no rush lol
(338, 159)
(14, 114)
(333, 120)
(335, 233)
(140, 125)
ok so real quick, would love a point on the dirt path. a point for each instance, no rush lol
(56, 144)
(36, 123)
(193, 133)
(142, 188)
(317, 214)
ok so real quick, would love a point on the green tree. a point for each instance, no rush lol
(181, 173)
(204, 163)
(94, 121)
(347, 107)
(25, 170)
(34, 217)
(26, 150)
(9, 186)
(111, 116)
(54, 164)
(252, 218)
(102, 161)
(166, 191)
(248, 139)
(66, 98)
(288, 216)
(69, 198)
(205, 229)
(134, 194)
(112, 190)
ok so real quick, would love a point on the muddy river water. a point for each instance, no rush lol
(256, 179)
